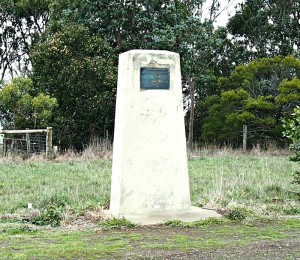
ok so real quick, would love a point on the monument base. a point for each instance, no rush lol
(155, 218)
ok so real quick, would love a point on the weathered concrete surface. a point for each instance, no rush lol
(149, 161)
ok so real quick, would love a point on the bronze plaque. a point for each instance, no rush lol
(155, 78)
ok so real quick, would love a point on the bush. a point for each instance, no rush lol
(292, 132)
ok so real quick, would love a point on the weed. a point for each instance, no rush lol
(296, 177)
(17, 230)
(175, 223)
(53, 210)
(237, 214)
(49, 217)
(116, 223)
(291, 209)
(199, 223)
(209, 222)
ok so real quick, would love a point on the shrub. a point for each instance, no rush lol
(292, 132)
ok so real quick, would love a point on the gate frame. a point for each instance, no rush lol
(48, 132)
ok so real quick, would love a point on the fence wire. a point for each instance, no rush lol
(23, 144)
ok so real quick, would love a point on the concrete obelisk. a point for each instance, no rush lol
(150, 173)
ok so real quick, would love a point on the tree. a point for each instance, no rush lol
(21, 24)
(79, 70)
(169, 25)
(130, 24)
(257, 95)
(21, 107)
(268, 27)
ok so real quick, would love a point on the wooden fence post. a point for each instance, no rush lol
(27, 143)
(4, 146)
(49, 142)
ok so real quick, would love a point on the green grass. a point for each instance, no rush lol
(248, 188)
(44, 244)
(83, 184)
(255, 183)
(116, 223)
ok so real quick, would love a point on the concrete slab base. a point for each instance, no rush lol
(194, 214)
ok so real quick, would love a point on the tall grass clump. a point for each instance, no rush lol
(256, 183)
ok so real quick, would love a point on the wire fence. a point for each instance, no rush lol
(26, 143)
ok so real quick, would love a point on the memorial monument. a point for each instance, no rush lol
(149, 173)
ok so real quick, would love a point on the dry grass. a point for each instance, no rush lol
(213, 151)
(100, 148)
(97, 149)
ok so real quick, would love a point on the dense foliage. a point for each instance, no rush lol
(22, 107)
(21, 24)
(292, 132)
(246, 73)
(267, 27)
(258, 95)
(79, 70)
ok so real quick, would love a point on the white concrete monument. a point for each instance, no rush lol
(149, 173)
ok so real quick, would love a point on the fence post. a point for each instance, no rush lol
(49, 142)
(244, 138)
(27, 143)
(4, 146)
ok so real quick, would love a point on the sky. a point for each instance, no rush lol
(227, 10)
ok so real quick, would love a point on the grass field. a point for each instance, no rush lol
(249, 188)
(79, 184)
(257, 183)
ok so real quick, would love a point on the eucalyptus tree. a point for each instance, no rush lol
(21, 24)
(168, 25)
(267, 27)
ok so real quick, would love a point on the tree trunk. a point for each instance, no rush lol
(119, 39)
(191, 119)
(244, 138)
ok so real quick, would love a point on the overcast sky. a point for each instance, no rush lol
(227, 10)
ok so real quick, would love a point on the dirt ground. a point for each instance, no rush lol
(262, 239)
(287, 249)
(272, 248)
